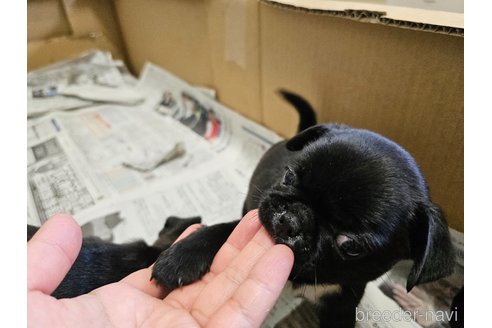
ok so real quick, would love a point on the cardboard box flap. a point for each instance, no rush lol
(44, 52)
(445, 22)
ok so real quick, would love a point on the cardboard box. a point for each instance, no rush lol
(403, 82)
(395, 70)
(60, 29)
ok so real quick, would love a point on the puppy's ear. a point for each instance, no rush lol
(307, 136)
(431, 247)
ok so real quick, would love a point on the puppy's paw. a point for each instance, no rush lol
(190, 259)
(173, 228)
(183, 263)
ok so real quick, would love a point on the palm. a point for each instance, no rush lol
(245, 280)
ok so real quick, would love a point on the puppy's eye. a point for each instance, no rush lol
(348, 246)
(290, 178)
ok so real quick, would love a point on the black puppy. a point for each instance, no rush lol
(348, 202)
(100, 262)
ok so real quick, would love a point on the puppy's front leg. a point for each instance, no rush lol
(189, 259)
(337, 310)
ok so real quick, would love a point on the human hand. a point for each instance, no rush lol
(245, 280)
(414, 302)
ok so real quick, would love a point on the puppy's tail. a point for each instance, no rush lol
(307, 115)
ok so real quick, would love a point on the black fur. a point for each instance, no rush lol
(348, 202)
(337, 309)
(178, 266)
(307, 115)
(100, 262)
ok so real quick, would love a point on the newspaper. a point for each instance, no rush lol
(92, 77)
(102, 147)
(170, 150)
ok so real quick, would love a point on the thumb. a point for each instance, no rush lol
(51, 253)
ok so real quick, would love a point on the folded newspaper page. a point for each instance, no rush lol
(80, 82)
(132, 152)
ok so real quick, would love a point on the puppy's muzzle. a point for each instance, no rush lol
(287, 229)
(285, 225)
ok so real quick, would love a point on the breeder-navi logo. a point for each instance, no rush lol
(404, 315)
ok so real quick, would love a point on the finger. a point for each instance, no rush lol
(188, 231)
(246, 229)
(402, 292)
(225, 284)
(141, 278)
(419, 293)
(239, 238)
(399, 289)
(406, 299)
(51, 253)
(402, 301)
(251, 302)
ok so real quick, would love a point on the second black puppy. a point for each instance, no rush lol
(348, 202)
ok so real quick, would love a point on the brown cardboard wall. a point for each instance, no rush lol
(44, 52)
(58, 29)
(209, 42)
(39, 26)
(94, 16)
(172, 34)
(404, 84)
(233, 32)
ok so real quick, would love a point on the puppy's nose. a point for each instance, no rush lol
(286, 226)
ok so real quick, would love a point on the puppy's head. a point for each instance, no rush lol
(351, 203)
